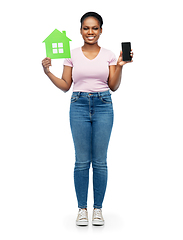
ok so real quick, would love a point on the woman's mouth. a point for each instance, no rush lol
(90, 37)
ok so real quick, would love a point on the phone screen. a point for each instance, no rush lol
(126, 48)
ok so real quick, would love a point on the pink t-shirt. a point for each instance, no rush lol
(90, 75)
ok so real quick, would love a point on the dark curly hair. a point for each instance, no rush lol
(92, 14)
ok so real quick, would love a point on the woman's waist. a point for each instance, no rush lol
(93, 94)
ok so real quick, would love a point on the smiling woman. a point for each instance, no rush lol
(93, 71)
(91, 32)
(91, 27)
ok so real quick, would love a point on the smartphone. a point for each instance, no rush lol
(126, 49)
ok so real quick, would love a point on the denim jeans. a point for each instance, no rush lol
(91, 121)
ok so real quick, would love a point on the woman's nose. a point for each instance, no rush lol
(90, 31)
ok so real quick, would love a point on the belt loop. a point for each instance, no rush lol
(79, 94)
(99, 94)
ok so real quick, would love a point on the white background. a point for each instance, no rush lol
(144, 195)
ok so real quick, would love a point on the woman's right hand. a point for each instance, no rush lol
(46, 63)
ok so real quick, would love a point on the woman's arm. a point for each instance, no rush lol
(65, 82)
(115, 73)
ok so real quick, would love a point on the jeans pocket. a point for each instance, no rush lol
(74, 98)
(106, 99)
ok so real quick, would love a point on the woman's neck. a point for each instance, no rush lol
(90, 48)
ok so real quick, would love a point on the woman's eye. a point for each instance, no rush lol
(93, 28)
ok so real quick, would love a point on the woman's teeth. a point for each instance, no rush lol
(90, 38)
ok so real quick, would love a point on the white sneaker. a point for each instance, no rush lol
(82, 219)
(97, 217)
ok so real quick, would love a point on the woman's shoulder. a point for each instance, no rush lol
(107, 51)
(75, 53)
(75, 50)
(74, 56)
(109, 56)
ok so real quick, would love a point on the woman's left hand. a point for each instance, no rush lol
(120, 61)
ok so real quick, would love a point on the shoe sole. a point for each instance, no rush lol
(97, 223)
(82, 223)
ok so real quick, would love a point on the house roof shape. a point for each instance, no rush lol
(57, 35)
(57, 45)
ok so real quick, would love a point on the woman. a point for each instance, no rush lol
(93, 71)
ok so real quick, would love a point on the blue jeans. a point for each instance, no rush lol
(91, 121)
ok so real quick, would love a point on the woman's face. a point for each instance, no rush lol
(91, 30)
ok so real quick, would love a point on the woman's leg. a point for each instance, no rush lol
(81, 133)
(101, 131)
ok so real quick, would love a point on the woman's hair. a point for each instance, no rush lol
(92, 14)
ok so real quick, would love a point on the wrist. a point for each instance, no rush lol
(47, 72)
(119, 67)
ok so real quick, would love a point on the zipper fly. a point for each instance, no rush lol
(91, 106)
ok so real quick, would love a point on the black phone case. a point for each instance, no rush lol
(126, 49)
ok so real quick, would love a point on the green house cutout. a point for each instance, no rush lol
(57, 45)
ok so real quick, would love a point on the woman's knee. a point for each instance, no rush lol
(79, 166)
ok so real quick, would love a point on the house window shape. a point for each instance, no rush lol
(57, 47)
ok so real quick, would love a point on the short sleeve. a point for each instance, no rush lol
(68, 62)
(112, 59)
